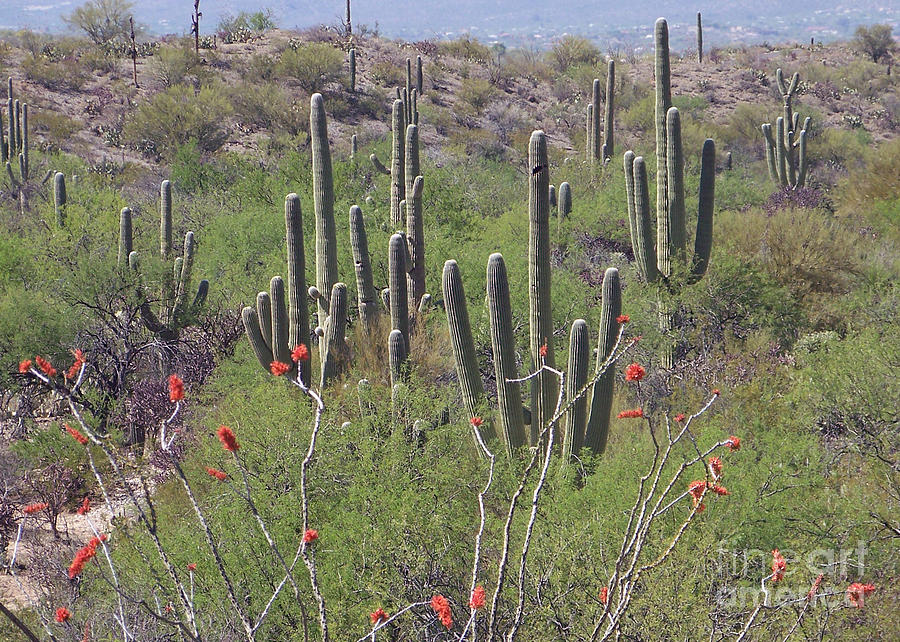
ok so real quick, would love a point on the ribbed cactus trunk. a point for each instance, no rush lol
(576, 379)
(298, 311)
(705, 209)
(24, 155)
(323, 205)
(365, 291)
(125, 237)
(663, 103)
(415, 230)
(398, 353)
(553, 200)
(671, 248)
(280, 321)
(597, 431)
(397, 276)
(642, 236)
(544, 387)
(420, 77)
(509, 394)
(398, 164)
(787, 167)
(352, 56)
(335, 335)
(589, 133)
(699, 39)
(167, 291)
(596, 144)
(59, 198)
(464, 347)
(608, 120)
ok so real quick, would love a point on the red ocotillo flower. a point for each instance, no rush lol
(815, 587)
(310, 536)
(715, 467)
(476, 422)
(278, 368)
(31, 509)
(623, 318)
(604, 594)
(441, 606)
(679, 417)
(81, 439)
(176, 388)
(24, 366)
(634, 372)
(218, 474)
(63, 614)
(300, 353)
(192, 567)
(45, 366)
(858, 592)
(543, 350)
(85, 507)
(75, 368)
(778, 566)
(477, 599)
(636, 413)
(226, 436)
(733, 443)
(378, 615)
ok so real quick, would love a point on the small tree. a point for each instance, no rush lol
(103, 20)
(875, 41)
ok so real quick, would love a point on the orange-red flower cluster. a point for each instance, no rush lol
(543, 349)
(679, 417)
(634, 372)
(218, 474)
(176, 388)
(278, 368)
(31, 509)
(715, 467)
(81, 439)
(623, 318)
(310, 536)
(24, 366)
(636, 413)
(858, 592)
(441, 606)
(477, 599)
(476, 422)
(378, 615)
(226, 436)
(75, 368)
(300, 353)
(733, 443)
(815, 587)
(192, 567)
(85, 507)
(604, 594)
(45, 366)
(63, 614)
(778, 566)
(716, 392)
(84, 555)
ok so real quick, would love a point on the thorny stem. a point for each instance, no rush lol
(371, 634)
(478, 537)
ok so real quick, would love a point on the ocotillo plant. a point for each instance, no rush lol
(659, 265)
(780, 148)
(365, 291)
(175, 311)
(264, 324)
(323, 206)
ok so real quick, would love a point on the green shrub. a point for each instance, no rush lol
(467, 48)
(313, 65)
(387, 74)
(66, 75)
(476, 93)
(573, 50)
(270, 108)
(179, 114)
(177, 65)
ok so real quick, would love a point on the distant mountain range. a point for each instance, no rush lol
(515, 22)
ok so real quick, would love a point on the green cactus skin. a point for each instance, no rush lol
(398, 163)
(780, 157)
(24, 168)
(11, 144)
(414, 97)
(397, 270)
(663, 103)
(470, 384)
(4, 154)
(365, 291)
(787, 167)
(12, 177)
(595, 123)
(353, 147)
(509, 394)
(407, 112)
(416, 239)
(699, 39)
(597, 430)
(642, 240)
(298, 312)
(552, 196)
(802, 164)
(544, 386)
(264, 313)
(409, 81)
(705, 209)
(18, 126)
(420, 77)
(397, 356)
(770, 152)
(608, 122)
(253, 329)
(425, 304)
(125, 237)
(671, 237)
(59, 198)
(565, 199)
(589, 133)
(352, 55)
(335, 335)
(576, 379)
(378, 165)
(165, 220)
(323, 204)
(280, 321)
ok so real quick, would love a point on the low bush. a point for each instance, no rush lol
(573, 50)
(65, 75)
(312, 65)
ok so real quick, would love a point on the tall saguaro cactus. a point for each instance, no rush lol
(699, 39)
(352, 60)
(415, 227)
(365, 291)
(397, 268)
(780, 154)
(323, 206)
(298, 312)
(59, 198)
(595, 143)
(576, 379)
(544, 386)
(597, 428)
(608, 124)
(398, 162)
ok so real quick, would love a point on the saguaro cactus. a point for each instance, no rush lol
(597, 430)
(398, 353)
(509, 395)
(699, 39)
(576, 379)
(544, 387)
(596, 145)
(398, 164)
(59, 198)
(323, 205)
(365, 291)
(352, 56)
(298, 312)
(335, 334)
(397, 275)
(589, 133)
(608, 124)
(780, 155)
(420, 78)
(125, 237)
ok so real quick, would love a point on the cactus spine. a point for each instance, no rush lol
(365, 291)
(59, 198)
(509, 395)
(398, 298)
(608, 124)
(398, 188)
(699, 39)
(352, 55)
(597, 429)
(784, 169)
(576, 379)
(323, 204)
(544, 386)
